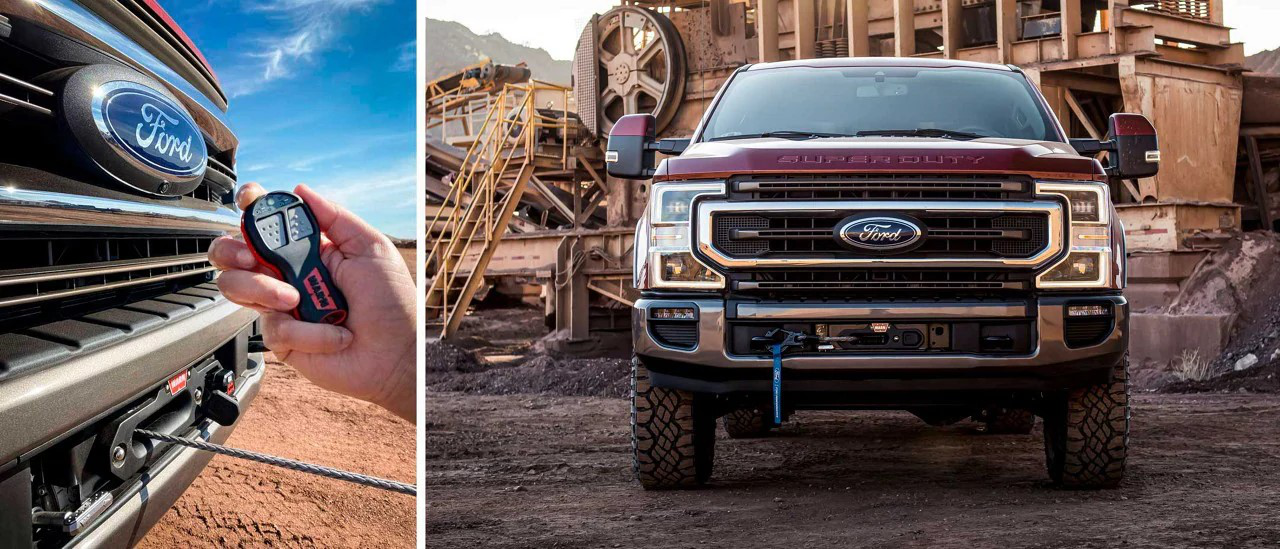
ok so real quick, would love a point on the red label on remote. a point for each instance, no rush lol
(319, 291)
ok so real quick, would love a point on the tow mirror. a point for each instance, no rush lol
(632, 147)
(1132, 141)
(1137, 150)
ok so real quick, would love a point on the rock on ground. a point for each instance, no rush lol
(1240, 279)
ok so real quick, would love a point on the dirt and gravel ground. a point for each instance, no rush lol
(524, 455)
(548, 471)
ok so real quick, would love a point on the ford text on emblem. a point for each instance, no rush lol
(882, 233)
(151, 130)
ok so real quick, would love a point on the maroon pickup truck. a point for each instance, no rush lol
(880, 233)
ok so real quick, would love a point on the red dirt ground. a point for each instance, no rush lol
(235, 503)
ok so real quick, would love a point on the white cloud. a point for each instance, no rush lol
(309, 28)
(356, 145)
(407, 58)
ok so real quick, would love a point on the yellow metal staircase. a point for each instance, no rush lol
(482, 198)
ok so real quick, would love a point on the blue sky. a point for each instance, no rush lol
(322, 92)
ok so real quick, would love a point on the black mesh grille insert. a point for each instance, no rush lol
(1037, 235)
(725, 227)
(679, 335)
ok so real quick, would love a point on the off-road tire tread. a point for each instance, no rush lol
(1092, 438)
(747, 423)
(666, 453)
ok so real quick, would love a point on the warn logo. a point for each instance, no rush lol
(319, 291)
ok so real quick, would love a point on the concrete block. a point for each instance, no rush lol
(1150, 296)
(1168, 266)
(1160, 337)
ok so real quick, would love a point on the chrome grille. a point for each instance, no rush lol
(25, 95)
(875, 280)
(960, 234)
(989, 235)
(68, 254)
(45, 269)
(880, 186)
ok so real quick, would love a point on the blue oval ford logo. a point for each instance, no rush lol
(879, 232)
(150, 130)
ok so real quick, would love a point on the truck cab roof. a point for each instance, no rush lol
(906, 62)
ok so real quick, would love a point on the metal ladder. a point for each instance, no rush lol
(482, 199)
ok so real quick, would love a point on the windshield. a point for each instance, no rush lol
(844, 101)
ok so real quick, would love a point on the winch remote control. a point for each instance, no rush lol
(284, 236)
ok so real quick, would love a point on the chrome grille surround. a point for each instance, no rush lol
(172, 243)
(991, 234)
(1052, 209)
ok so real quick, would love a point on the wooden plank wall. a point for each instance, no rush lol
(1196, 113)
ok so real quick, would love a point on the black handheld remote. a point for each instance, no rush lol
(283, 234)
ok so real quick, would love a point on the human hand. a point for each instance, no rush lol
(372, 356)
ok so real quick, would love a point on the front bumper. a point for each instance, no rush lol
(52, 397)
(712, 367)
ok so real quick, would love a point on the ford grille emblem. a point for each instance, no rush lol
(151, 130)
(879, 233)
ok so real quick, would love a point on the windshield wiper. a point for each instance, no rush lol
(922, 132)
(785, 134)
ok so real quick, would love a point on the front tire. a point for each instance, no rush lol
(747, 423)
(1086, 433)
(672, 434)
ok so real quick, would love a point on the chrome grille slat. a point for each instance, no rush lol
(867, 279)
(226, 170)
(28, 89)
(74, 252)
(754, 285)
(99, 269)
(58, 294)
(870, 186)
(29, 207)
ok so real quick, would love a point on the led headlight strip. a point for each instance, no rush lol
(1089, 259)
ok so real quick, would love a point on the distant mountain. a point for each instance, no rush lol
(1267, 62)
(451, 46)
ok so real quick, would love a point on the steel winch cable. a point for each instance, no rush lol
(302, 466)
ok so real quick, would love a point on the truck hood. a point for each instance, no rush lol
(720, 159)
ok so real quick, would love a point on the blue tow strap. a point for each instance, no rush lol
(777, 383)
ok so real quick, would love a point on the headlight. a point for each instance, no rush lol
(1089, 261)
(664, 257)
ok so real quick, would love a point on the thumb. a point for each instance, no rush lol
(347, 231)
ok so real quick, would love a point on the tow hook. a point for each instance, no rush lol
(218, 404)
(779, 341)
(71, 522)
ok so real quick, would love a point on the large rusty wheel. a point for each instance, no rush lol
(641, 65)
